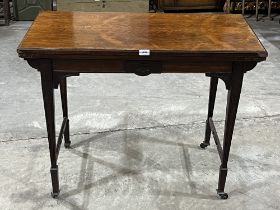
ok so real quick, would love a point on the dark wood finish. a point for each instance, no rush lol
(61, 44)
(60, 136)
(63, 93)
(232, 106)
(168, 65)
(234, 85)
(143, 68)
(64, 34)
(211, 104)
(45, 67)
(216, 138)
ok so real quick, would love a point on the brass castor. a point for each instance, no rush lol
(223, 195)
(55, 195)
(67, 145)
(203, 145)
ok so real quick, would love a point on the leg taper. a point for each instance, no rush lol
(55, 181)
(211, 104)
(231, 110)
(48, 96)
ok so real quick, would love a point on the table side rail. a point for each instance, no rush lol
(136, 66)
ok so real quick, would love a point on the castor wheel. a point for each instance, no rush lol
(55, 195)
(203, 145)
(67, 145)
(223, 195)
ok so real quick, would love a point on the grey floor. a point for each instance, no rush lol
(135, 140)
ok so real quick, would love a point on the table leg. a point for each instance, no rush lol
(63, 93)
(48, 95)
(211, 104)
(231, 110)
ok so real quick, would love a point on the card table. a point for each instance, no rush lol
(64, 44)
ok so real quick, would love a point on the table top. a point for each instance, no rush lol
(64, 34)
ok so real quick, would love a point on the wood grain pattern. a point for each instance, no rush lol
(61, 44)
(64, 34)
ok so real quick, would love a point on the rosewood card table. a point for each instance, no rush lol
(63, 44)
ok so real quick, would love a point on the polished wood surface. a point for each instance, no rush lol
(109, 34)
(63, 44)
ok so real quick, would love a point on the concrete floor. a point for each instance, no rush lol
(135, 140)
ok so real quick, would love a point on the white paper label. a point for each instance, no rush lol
(144, 52)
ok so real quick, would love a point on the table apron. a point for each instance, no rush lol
(132, 66)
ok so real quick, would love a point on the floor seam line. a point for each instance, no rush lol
(144, 128)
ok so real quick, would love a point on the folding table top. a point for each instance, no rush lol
(123, 34)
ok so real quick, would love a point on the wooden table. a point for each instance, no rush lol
(63, 44)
